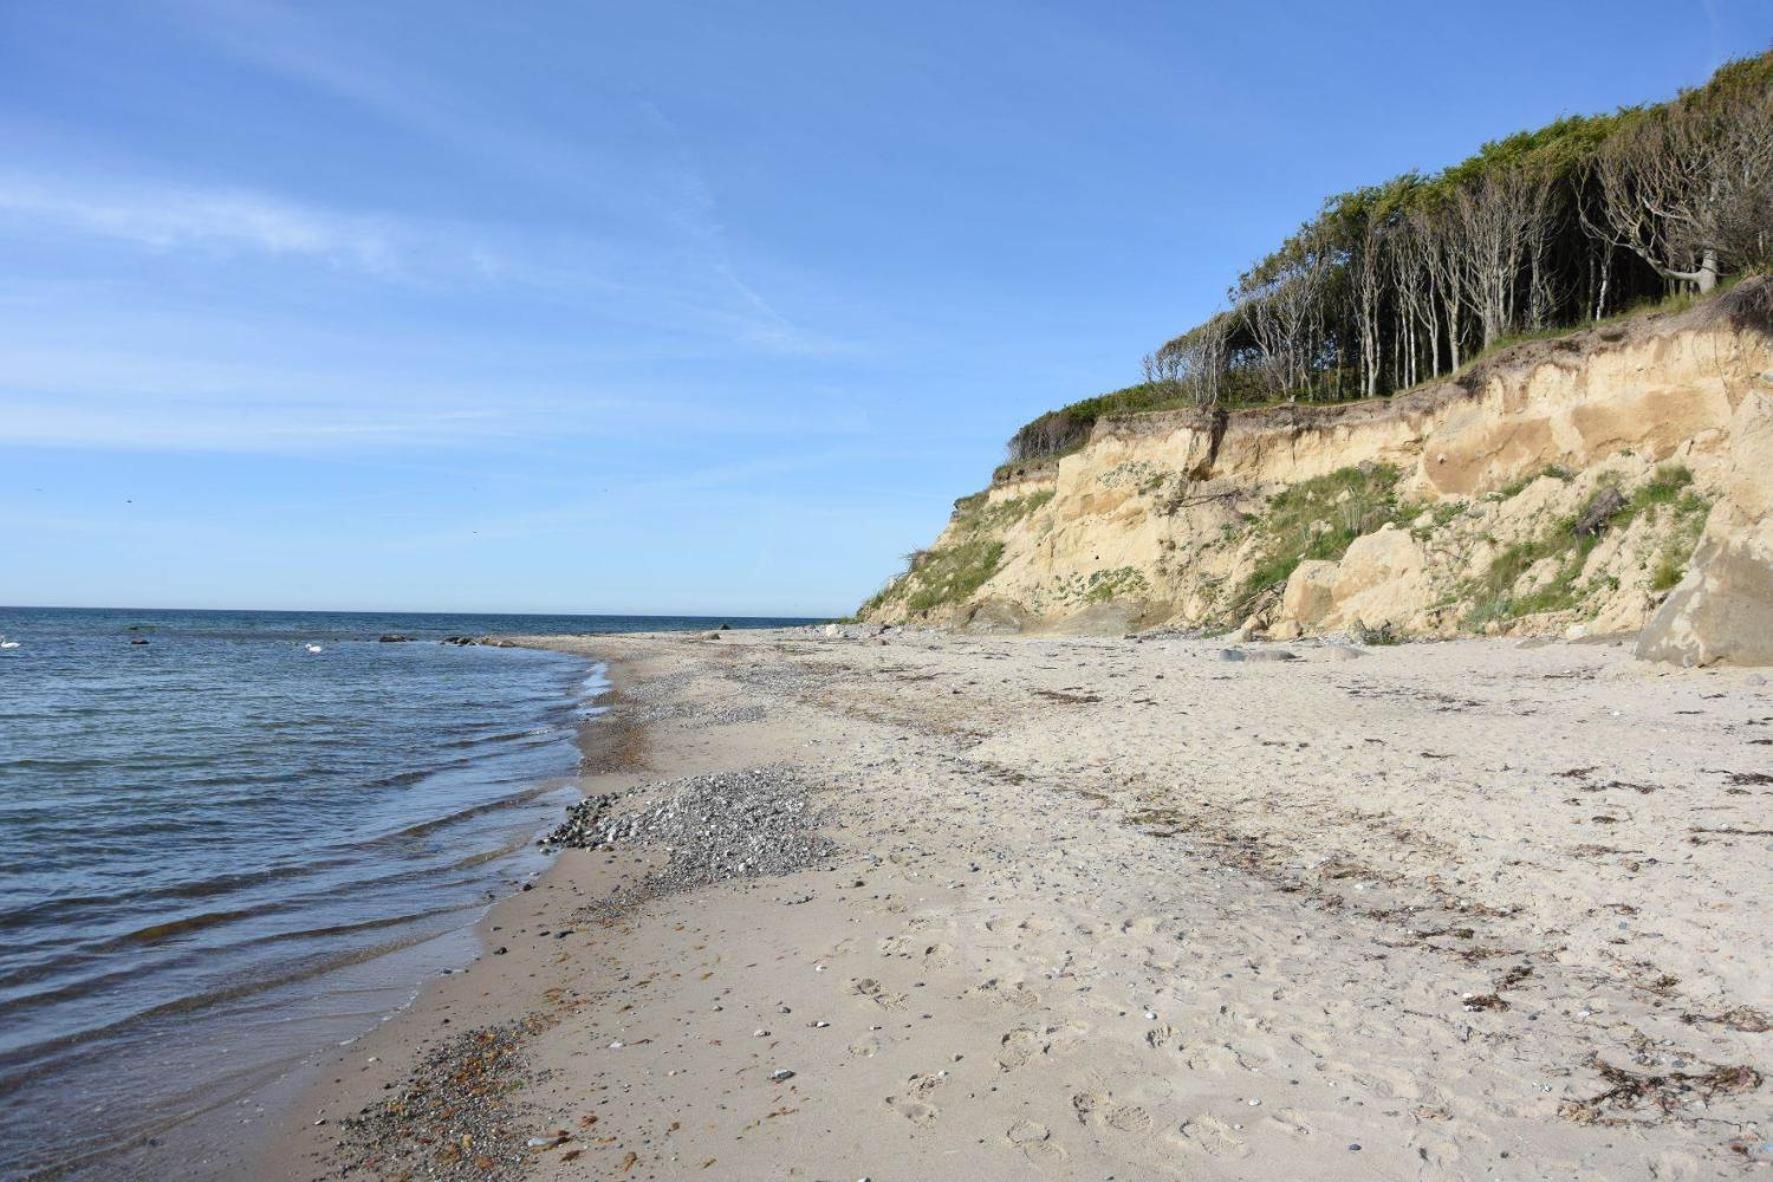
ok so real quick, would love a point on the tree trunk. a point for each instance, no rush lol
(1708, 271)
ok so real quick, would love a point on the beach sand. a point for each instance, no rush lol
(1123, 909)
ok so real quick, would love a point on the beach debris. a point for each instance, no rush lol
(1744, 1018)
(781, 1074)
(1668, 1091)
(453, 1118)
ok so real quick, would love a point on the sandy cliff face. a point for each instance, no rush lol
(1584, 484)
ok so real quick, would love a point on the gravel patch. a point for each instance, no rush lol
(714, 828)
(708, 715)
(453, 1118)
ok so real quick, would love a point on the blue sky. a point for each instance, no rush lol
(657, 307)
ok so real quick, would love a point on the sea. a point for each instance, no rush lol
(229, 840)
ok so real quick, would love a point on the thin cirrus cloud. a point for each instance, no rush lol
(653, 188)
(171, 218)
(119, 367)
(143, 312)
(676, 286)
(60, 394)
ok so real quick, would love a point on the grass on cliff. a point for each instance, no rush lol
(1321, 518)
(1493, 594)
(951, 573)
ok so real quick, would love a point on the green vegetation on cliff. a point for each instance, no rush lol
(959, 564)
(1319, 519)
(1497, 595)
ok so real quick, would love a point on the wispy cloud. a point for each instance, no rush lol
(167, 218)
(295, 44)
(622, 283)
(141, 309)
(656, 183)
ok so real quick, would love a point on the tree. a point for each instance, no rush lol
(1685, 187)
(1504, 218)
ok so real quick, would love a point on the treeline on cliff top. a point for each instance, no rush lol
(1401, 282)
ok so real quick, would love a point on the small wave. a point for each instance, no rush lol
(432, 824)
(178, 927)
(28, 1059)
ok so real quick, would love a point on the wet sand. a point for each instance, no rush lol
(1105, 908)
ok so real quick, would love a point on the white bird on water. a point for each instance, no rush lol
(314, 648)
(5, 643)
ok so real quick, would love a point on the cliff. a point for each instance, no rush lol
(1596, 483)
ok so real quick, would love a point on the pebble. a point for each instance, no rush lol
(729, 825)
(780, 1074)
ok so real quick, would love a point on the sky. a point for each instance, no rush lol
(666, 307)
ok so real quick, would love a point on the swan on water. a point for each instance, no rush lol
(314, 648)
(5, 643)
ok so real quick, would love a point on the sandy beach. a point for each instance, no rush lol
(1113, 908)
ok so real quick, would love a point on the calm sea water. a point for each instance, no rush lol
(221, 851)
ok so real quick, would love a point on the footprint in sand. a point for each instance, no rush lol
(918, 1112)
(1163, 1038)
(1388, 1083)
(1291, 1120)
(1213, 1137)
(1018, 996)
(912, 1106)
(1096, 1108)
(1439, 1152)
(1127, 1118)
(1673, 1167)
(1020, 1045)
(1035, 1141)
(1222, 1059)
(871, 989)
(1084, 1103)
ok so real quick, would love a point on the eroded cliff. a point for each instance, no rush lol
(1595, 483)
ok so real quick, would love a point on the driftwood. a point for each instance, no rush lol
(1600, 511)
